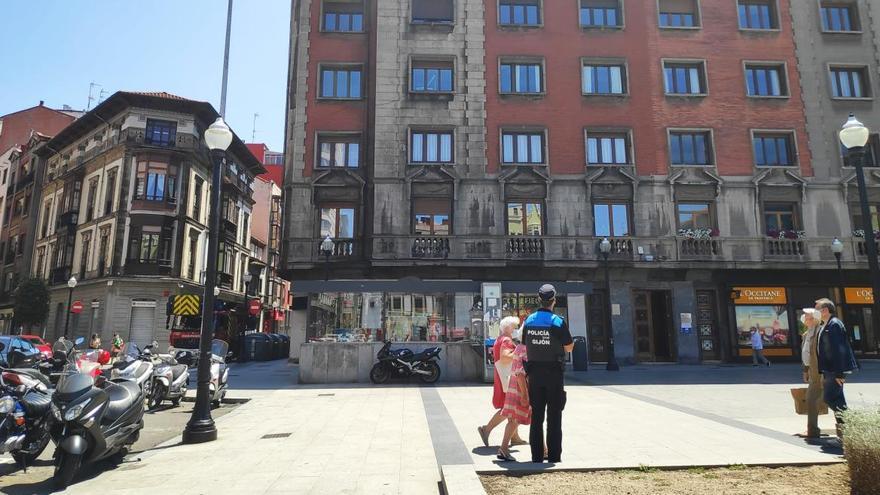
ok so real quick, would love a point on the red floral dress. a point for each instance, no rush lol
(501, 343)
(515, 406)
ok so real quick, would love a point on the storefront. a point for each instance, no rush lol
(858, 317)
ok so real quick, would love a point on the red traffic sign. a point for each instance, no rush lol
(77, 307)
(254, 307)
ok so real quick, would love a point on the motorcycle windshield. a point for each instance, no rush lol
(91, 355)
(219, 348)
(62, 345)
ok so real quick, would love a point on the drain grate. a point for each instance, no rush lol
(326, 395)
(275, 435)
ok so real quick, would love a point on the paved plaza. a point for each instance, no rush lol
(394, 439)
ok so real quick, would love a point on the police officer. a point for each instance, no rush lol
(547, 339)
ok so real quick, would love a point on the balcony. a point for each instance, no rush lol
(862, 247)
(182, 140)
(522, 247)
(785, 249)
(59, 275)
(148, 267)
(430, 247)
(621, 248)
(69, 219)
(699, 249)
(24, 181)
(225, 280)
(342, 249)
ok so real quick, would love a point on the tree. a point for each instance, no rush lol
(32, 302)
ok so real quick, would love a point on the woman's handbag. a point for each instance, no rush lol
(800, 402)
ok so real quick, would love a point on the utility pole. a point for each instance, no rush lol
(226, 61)
(254, 129)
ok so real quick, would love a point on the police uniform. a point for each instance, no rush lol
(545, 334)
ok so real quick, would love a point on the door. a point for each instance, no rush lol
(707, 326)
(597, 309)
(859, 322)
(654, 339)
(143, 318)
(643, 323)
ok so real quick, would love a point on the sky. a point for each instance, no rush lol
(52, 50)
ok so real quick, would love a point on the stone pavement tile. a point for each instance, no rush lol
(378, 484)
(334, 485)
(292, 485)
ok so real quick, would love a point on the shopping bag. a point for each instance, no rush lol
(800, 402)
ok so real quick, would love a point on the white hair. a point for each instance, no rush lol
(509, 322)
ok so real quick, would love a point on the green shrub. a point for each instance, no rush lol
(861, 447)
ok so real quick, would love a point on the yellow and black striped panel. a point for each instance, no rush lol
(186, 305)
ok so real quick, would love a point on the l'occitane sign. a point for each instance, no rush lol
(760, 295)
(859, 295)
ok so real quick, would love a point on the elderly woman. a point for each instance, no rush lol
(502, 354)
(810, 358)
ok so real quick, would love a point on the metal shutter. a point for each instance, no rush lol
(143, 318)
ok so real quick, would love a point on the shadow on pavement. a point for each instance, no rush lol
(87, 472)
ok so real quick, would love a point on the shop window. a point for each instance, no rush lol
(341, 83)
(770, 322)
(780, 217)
(160, 133)
(337, 222)
(693, 216)
(601, 13)
(871, 153)
(431, 147)
(522, 148)
(431, 217)
(690, 148)
(521, 78)
(757, 14)
(685, 78)
(524, 218)
(433, 11)
(339, 151)
(679, 13)
(156, 181)
(431, 76)
(603, 79)
(343, 17)
(766, 80)
(611, 220)
(850, 82)
(774, 149)
(519, 13)
(839, 17)
(608, 148)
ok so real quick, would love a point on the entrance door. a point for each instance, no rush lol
(707, 326)
(654, 337)
(597, 309)
(143, 318)
(859, 322)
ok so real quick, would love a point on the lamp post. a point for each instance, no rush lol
(327, 246)
(71, 284)
(605, 249)
(247, 282)
(837, 249)
(200, 427)
(854, 136)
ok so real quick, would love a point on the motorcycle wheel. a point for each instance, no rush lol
(434, 375)
(379, 374)
(157, 394)
(66, 467)
(119, 456)
(175, 402)
(28, 458)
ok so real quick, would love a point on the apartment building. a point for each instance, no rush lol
(436, 146)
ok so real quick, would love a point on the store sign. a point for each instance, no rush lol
(859, 295)
(759, 295)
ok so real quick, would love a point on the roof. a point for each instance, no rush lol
(158, 100)
(41, 105)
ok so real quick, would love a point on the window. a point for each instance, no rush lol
(244, 229)
(871, 153)
(193, 257)
(525, 218)
(338, 223)
(839, 17)
(849, 82)
(431, 216)
(102, 251)
(338, 151)
(343, 17)
(875, 217)
(780, 217)
(611, 220)
(679, 13)
(766, 80)
(431, 147)
(150, 244)
(601, 14)
(72, 193)
(690, 147)
(160, 133)
(44, 229)
(343, 83)
(91, 198)
(431, 77)
(84, 255)
(695, 216)
(684, 78)
(758, 14)
(109, 192)
(41, 259)
(156, 181)
(521, 78)
(773, 150)
(519, 13)
(522, 147)
(603, 79)
(433, 11)
(197, 199)
(611, 148)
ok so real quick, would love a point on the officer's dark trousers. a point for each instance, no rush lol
(545, 393)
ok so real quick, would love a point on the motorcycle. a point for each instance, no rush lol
(405, 363)
(219, 371)
(170, 381)
(24, 418)
(92, 423)
(89, 361)
(136, 366)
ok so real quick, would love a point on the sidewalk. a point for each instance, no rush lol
(392, 439)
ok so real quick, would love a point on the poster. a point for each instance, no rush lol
(770, 321)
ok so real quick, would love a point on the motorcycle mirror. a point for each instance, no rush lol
(79, 340)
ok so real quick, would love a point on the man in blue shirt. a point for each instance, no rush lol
(547, 339)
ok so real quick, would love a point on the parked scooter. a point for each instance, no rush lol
(405, 363)
(170, 380)
(219, 371)
(136, 366)
(93, 423)
(24, 418)
(64, 352)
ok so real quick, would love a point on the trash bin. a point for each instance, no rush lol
(285, 345)
(257, 347)
(579, 358)
(277, 347)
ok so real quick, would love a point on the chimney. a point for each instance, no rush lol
(41, 102)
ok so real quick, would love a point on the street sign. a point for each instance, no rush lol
(254, 307)
(186, 305)
(77, 307)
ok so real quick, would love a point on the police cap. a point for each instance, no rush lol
(547, 292)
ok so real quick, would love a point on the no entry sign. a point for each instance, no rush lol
(77, 307)
(254, 307)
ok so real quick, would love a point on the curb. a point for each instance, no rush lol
(529, 468)
(460, 479)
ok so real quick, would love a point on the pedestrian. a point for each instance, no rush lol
(516, 400)
(836, 360)
(95, 342)
(547, 339)
(502, 356)
(116, 346)
(758, 348)
(811, 320)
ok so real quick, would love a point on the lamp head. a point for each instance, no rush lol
(854, 134)
(605, 246)
(836, 246)
(72, 282)
(218, 136)
(216, 291)
(248, 277)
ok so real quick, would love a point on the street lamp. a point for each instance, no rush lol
(200, 427)
(837, 249)
(854, 136)
(327, 246)
(71, 284)
(605, 249)
(247, 282)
